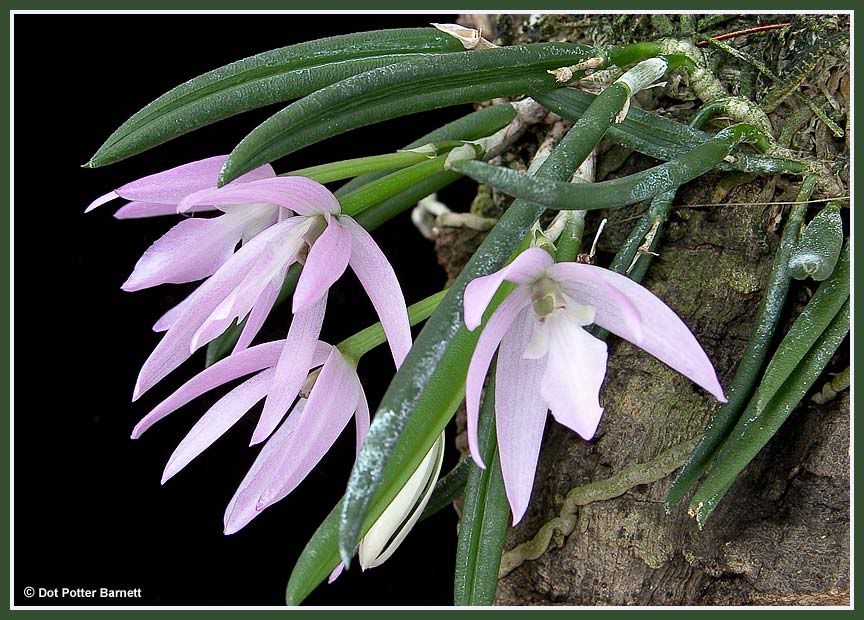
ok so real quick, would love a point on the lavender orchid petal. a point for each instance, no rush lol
(272, 260)
(219, 418)
(588, 285)
(299, 194)
(103, 199)
(175, 347)
(381, 285)
(233, 367)
(487, 343)
(194, 249)
(167, 320)
(665, 336)
(243, 506)
(294, 364)
(136, 210)
(520, 413)
(263, 305)
(525, 268)
(361, 417)
(171, 186)
(575, 369)
(336, 573)
(331, 404)
(325, 264)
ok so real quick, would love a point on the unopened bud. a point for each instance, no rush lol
(394, 524)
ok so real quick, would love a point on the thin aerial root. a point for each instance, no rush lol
(613, 486)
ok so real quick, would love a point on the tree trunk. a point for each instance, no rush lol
(781, 535)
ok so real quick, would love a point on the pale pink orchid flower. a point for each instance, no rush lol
(247, 285)
(314, 423)
(548, 362)
(196, 247)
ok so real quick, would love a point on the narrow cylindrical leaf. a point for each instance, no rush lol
(753, 358)
(761, 421)
(264, 79)
(816, 254)
(617, 192)
(485, 515)
(405, 88)
(813, 320)
(659, 137)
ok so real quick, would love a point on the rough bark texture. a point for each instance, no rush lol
(781, 536)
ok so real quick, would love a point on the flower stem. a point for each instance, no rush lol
(378, 190)
(472, 126)
(348, 168)
(570, 241)
(356, 346)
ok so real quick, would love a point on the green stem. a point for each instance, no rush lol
(623, 55)
(708, 111)
(570, 242)
(356, 346)
(372, 193)
(347, 168)
(472, 126)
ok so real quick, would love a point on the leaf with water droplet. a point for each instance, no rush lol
(817, 253)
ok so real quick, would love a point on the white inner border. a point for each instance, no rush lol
(13, 607)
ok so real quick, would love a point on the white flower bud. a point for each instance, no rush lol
(391, 528)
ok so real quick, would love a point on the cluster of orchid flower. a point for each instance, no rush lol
(265, 223)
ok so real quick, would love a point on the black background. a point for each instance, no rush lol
(89, 510)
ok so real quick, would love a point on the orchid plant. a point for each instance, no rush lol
(252, 238)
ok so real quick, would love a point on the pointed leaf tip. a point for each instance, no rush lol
(345, 555)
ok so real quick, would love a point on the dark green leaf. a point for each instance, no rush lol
(816, 254)
(659, 137)
(617, 192)
(485, 516)
(753, 358)
(271, 77)
(396, 90)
